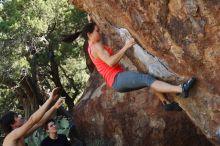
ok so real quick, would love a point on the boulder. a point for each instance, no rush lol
(176, 39)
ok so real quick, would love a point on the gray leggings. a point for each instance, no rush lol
(129, 81)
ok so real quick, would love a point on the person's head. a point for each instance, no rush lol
(10, 121)
(89, 32)
(50, 126)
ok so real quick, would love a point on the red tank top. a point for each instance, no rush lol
(104, 69)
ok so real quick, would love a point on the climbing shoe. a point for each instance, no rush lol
(173, 106)
(186, 87)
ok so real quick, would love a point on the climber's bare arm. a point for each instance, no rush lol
(101, 53)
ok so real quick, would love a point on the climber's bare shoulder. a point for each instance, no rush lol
(97, 46)
(97, 49)
(10, 141)
(19, 142)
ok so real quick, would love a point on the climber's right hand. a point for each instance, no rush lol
(89, 18)
(129, 43)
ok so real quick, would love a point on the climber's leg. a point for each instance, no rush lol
(164, 87)
(167, 105)
(129, 81)
(172, 106)
(161, 97)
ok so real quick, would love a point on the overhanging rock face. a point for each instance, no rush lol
(179, 39)
(107, 118)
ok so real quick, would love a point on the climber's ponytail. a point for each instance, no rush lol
(88, 28)
(71, 37)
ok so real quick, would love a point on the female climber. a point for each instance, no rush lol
(107, 64)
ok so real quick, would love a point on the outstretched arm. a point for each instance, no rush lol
(35, 117)
(114, 59)
(48, 115)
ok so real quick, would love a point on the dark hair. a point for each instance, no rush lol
(88, 28)
(46, 124)
(6, 121)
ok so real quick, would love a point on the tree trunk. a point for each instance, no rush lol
(56, 79)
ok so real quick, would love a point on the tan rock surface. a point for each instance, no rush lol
(184, 35)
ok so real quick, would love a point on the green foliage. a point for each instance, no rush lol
(24, 23)
(28, 28)
(8, 100)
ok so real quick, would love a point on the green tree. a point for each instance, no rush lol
(32, 57)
